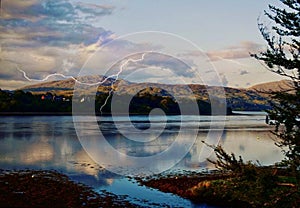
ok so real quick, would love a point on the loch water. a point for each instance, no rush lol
(55, 143)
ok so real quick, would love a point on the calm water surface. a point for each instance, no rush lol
(51, 142)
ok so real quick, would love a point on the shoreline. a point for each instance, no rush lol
(181, 185)
(222, 189)
(104, 114)
(48, 188)
(44, 188)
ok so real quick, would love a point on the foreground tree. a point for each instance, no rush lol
(282, 57)
(249, 184)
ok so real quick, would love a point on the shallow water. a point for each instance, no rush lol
(51, 142)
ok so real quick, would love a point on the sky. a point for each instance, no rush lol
(197, 41)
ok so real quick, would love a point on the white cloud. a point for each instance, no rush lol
(240, 51)
(43, 37)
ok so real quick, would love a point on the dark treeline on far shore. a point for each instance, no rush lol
(20, 102)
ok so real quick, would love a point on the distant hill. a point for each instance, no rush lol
(61, 87)
(276, 86)
(236, 98)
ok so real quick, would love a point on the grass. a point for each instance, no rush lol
(237, 192)
(257, 188)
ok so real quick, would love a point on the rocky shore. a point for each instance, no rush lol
(33, 188)
(228, 190)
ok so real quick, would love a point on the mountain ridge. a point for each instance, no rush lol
(68, 84)
(252, 98)
(274, 86)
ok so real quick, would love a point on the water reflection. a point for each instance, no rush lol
(253, 145)
(52, 143)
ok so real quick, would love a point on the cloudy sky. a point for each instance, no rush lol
(193, 39)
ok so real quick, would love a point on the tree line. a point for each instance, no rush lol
(140, 104)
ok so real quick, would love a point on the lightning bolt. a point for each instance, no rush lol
(117, 76)
(46, 78)
(129, 60)
(63, 76)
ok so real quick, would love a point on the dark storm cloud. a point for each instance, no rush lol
(56, 23)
